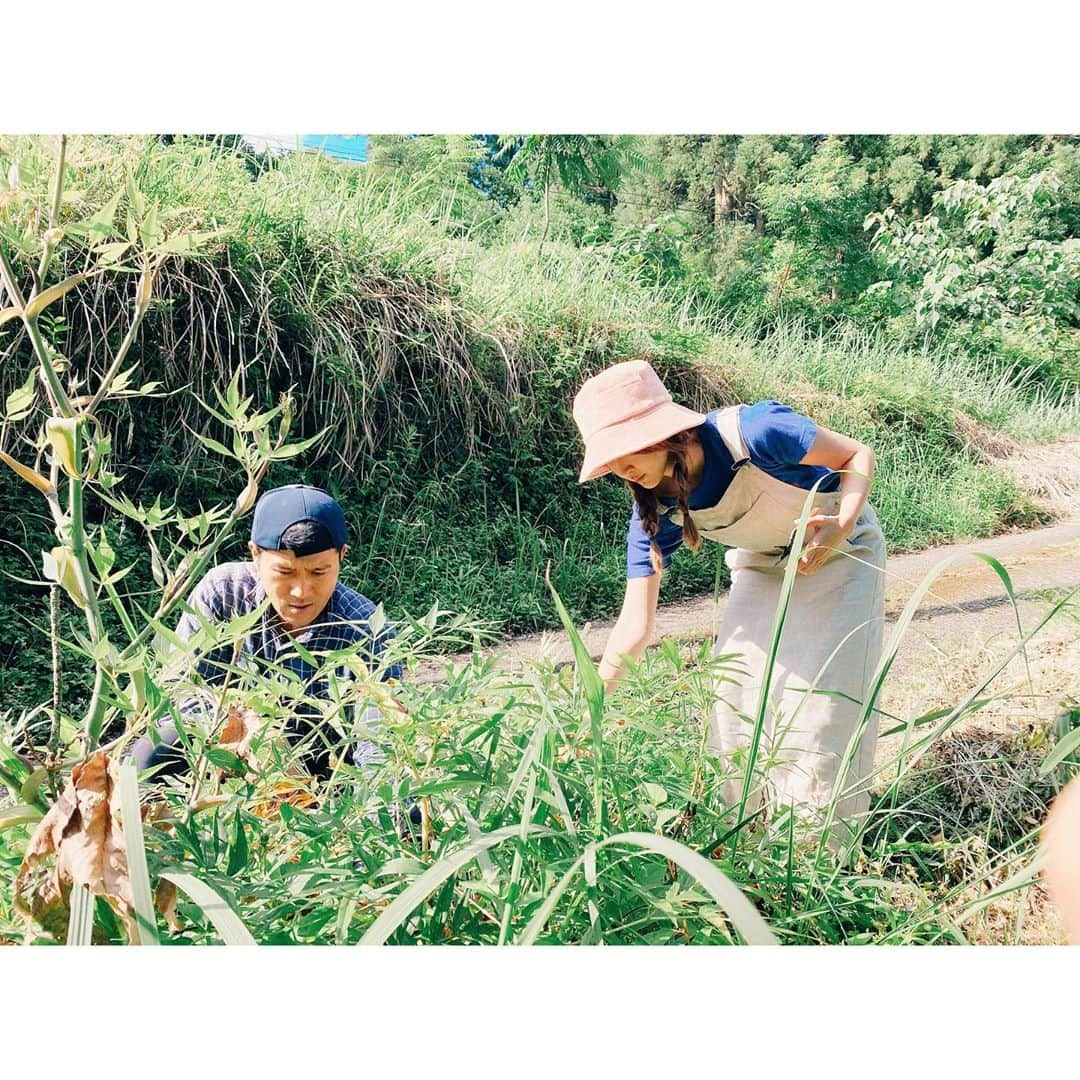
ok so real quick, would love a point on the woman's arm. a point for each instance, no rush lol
(633, 630)
(855, 461)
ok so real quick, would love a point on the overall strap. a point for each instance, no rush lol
(727, 424)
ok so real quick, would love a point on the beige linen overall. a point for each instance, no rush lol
(805, 736)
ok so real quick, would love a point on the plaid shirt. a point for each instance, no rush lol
(233, 589)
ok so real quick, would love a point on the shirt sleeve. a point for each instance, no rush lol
(669, 538)
(208, 603)
(776, 435)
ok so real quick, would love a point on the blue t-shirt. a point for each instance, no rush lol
(777, 438)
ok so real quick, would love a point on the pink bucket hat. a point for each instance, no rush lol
(623, 410)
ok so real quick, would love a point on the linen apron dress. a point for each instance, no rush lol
(805, 735)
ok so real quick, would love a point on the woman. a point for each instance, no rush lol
(741, 476)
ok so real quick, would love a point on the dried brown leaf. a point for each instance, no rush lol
(241, 726)
(79, 841)
(165, 899)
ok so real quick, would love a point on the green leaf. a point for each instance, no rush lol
(19, 815)
(111, 253)
(292, 449)
(150, 228)
(238, 849)
(402, 906)
(213, 444)
(225, 920)
(40, 302)
(1066, 746)
(100, 225)
(21, 401)
(744, 916)
(134, 842)
(135, 197)
(656, 793)
(594, 697)
(225, 759)
(122, 379)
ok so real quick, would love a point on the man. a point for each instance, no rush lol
(298, 540)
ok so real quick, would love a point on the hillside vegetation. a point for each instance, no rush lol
(435, 323)
(186, 323)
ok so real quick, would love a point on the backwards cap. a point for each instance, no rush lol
(281, 507)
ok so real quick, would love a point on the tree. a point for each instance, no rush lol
(585, 165)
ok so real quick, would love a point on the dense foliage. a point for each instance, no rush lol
(425, 331)
(409, 304)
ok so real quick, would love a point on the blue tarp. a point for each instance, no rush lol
(347, 147)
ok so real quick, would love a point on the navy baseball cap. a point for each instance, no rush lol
(281, 507)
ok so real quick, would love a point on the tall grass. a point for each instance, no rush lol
(442, 360)
(553, 815)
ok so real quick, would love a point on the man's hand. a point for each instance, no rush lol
(824, 534)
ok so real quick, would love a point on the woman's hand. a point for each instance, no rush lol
(824, 534)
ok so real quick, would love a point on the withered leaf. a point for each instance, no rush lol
(82, 830)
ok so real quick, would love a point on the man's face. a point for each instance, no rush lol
(298, 588)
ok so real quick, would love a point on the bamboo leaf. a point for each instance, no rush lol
(19, 815)
(101, 224)
(111, 253)
(40, 302)
(213, 444)
(9, 313)
(225, 920)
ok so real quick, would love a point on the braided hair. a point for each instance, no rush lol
(678, 447)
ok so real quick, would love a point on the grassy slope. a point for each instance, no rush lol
(442, 360)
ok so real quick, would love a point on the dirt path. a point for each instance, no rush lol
(965, 603)
(965, 613)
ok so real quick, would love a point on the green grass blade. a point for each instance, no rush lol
(594, 697)
(145, 919)
(81, 919)
(19, 815)
(1064, 748)
(790, 573)
(225, 920)
(403, 906)
(539, 920)
(1024, 876)
(744, 916)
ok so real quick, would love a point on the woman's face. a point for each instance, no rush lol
(645, 467)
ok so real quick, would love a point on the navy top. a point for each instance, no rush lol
(777, 438)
